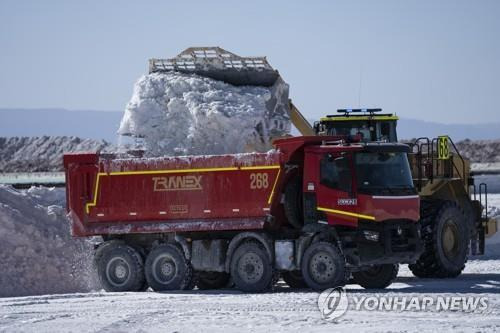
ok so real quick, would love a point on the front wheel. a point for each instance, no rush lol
(377, 276)
(323, 266)
(446, 240)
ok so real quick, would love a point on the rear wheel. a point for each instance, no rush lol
(294, 279)
(167, 269)
(323, 266)
(212, 280)
(251, 268)
(377, 276)
(120, 267)
(446, 239)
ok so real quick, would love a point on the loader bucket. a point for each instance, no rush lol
(219, 64)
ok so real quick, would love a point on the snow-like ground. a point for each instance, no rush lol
(229, 310)
(282, 310)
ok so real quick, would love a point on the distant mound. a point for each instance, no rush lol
(36, 154)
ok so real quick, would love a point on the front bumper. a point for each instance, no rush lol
(398, 241)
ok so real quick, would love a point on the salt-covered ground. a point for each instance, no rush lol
(37, 256)
(283, 310)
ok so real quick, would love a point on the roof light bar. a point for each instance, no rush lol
(346, 111)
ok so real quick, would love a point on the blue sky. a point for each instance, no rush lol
(432, 60)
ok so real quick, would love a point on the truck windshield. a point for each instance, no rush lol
(374, 131)
(383, 173)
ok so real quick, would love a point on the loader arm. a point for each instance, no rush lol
(300, 122)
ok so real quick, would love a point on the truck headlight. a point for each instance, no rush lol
(371, 235)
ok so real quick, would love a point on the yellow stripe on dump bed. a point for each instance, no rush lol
(155, 172)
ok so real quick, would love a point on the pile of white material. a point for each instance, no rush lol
(37, 253)
(179, 114)
(45, 153)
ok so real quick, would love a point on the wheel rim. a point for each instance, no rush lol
(117, 271)
(322, 267)
(164, 268)
(450, 239)
(250, 267)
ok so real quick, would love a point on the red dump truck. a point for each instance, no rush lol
(317, 211)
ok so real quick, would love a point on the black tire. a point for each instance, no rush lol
(446, 240)
(293, 202)
(101, 249)
(294, 279)
(167, 269)
(120, 267)
(377, 276)
(143, 255)
(323, 266)
(251, 268)
(212, 280)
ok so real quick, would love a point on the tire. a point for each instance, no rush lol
(323, 266)
(251, 268)
(101, 249)
(294, 279)
(120, 267)
(142, 253)
(167, 269)
(377, 276)
(293, 202)
(446, 239)
(212, 280)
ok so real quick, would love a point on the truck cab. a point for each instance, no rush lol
(361, 193)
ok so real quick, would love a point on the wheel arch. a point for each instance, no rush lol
(314, 233)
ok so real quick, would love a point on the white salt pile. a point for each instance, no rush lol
(37, 253)
(179, 114)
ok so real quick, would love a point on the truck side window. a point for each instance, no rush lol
(336, 173)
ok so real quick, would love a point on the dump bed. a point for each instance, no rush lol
(111, 195)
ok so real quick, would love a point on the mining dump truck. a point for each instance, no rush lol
(300, 210)
(453, 219)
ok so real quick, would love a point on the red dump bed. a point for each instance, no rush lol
(107, 194)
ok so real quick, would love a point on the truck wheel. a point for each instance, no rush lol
(294, 279)
(446, 240)
(212, 280)
(251, 268)
(377, 276)
(167, 269)
(142, 253)
(293, 202)
(323, 266)
(120, 268)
